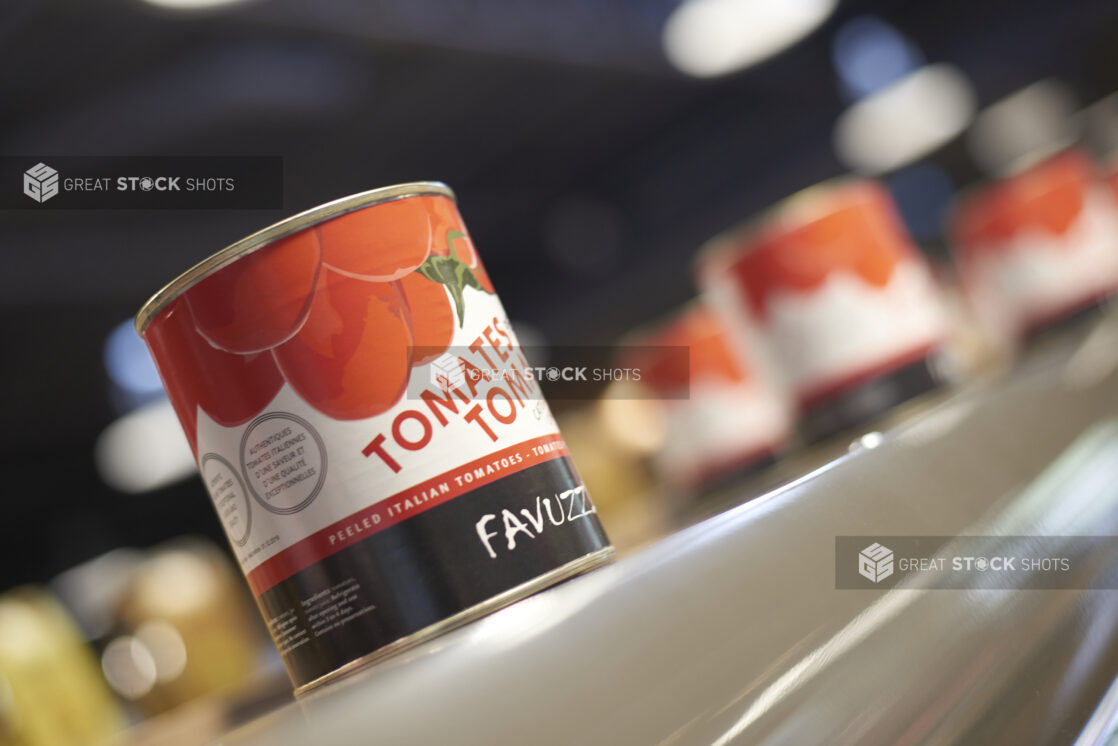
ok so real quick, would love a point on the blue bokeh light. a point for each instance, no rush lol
(129, 363)
(869, 54)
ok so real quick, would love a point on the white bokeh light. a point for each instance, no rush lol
(144, 450)
(706, 38)
(906, 120)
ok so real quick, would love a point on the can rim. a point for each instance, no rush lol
(276, 231)
(799, 208)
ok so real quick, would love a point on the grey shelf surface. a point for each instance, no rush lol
(733, 631)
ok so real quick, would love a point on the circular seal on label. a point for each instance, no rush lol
(284, 462)
(229, 495)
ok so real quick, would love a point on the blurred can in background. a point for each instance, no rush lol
(367, 426)
(724, 412)
(51, 689)
(1037, 247)
(185, 629)
(831, 281)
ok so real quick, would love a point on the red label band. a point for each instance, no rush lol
(401, 506)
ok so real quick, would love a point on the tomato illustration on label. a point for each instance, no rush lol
(451, 270)
(858, 233)
(335, 310)
(261, 300)
(432, 316)
(351, 359)
(450, 235)
(230, 388)
(1048, 197)
(382, 244)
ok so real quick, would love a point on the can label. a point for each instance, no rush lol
(839, 293)
(370, 483)
(730, 414)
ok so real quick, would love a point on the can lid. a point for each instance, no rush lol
(799, 208)
(279, 230)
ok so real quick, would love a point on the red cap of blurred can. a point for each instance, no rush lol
(834, 284)
(1038, 246)
(723, 413)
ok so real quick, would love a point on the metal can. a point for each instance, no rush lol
(1037, 247)
(375, 486)
(832, 283)
(725, 413)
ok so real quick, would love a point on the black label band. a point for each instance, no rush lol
(437, 564)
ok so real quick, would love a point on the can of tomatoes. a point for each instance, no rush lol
(831, 282)
(375, 445)
(726, 413)
(1038, 247)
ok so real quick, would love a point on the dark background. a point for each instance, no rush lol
(587, 169)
